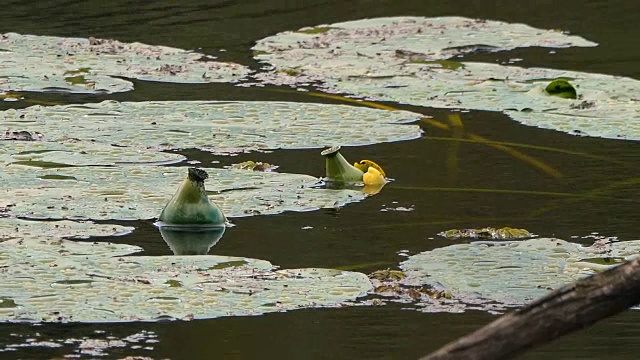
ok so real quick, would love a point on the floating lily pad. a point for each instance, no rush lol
(607, 106)
(512, 272)
(12, 228)
(377, 47)
(78, 153)
(49, 286)
(140, 192)
(220, 127)
(49, 63)
(407, 60)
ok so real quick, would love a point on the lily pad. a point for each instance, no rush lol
(379, 46)
(512, 272)
(50, 235)
(406, 60)
(219, 126)
(78, 153)
(607, 105)
(140, 192)
(49, 63)
(49, 287)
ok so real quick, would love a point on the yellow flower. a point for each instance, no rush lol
(364, 165)
(373, 177)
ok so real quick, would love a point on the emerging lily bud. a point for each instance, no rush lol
(190, 205)
(338, 168)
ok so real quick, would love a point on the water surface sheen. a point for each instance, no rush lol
(597, 192)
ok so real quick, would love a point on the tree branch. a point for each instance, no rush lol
(562, 311)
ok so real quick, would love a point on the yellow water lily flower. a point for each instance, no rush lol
(373, 177)
(364, 165)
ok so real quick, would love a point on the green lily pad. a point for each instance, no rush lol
(44, 154)
(512, 272)
(51, 285)
(49, 63)
(140, 192)
(561, 88)
(217, 126)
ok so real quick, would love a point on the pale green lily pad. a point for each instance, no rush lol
(382, 46)
(49, 63)
(11, 228)
(57, 287)
(408, 60)
(513, 272)
(140, 192)
(607, 106)
(219, 126)
(78, 153)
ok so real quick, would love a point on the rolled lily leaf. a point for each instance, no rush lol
(561, 88)
(338, 169)
(191, 240)
(190, 205)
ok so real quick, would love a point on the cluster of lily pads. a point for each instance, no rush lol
(74, 164)
(416, 61)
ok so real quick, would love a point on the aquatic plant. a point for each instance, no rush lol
(398, 59)
(190, 205)
(80, 65)
(338, 169)
(512, 272)
(221, 127)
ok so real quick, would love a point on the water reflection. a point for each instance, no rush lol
(190, 240)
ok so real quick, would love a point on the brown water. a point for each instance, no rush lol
(426, 178)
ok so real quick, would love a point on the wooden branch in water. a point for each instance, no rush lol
(562, 311)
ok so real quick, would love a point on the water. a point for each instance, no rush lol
(429, 174)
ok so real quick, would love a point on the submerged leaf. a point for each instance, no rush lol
(254, 166)
(49, 63)
(488, 233)
(509, 272)
(49, 285)
(219, 126)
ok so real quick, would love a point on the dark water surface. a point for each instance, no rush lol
(434, 176)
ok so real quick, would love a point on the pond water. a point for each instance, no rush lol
(448, 184)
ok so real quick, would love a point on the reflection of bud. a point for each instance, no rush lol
(190, 205)
(372, 189)
(191, 240)
(338, 168)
